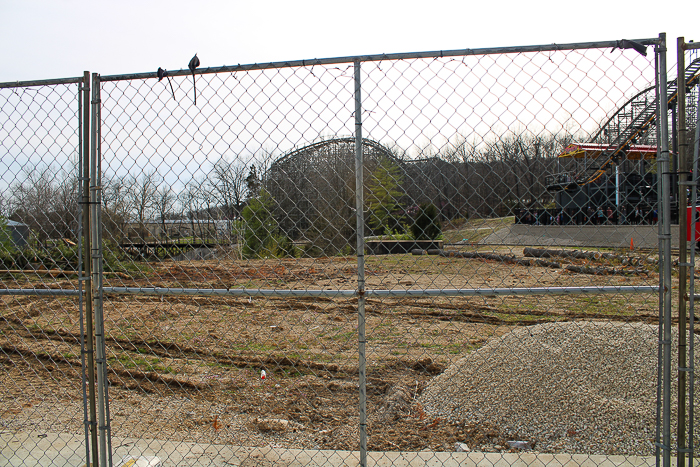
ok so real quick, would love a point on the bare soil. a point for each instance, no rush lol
(189, 367)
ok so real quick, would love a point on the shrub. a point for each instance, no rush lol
(7, 246)
(383, 198)
(426, 225)
(286, 248)
(260, 227)
(261, 238)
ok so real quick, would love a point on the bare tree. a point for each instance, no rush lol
(47, 201)
(196, 200)
(116, 207)
(5, 206)
(229, 186)
(164, 203)
(66, 206)
(142, 194)
(253, 183)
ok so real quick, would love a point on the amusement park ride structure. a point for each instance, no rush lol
(616, 168)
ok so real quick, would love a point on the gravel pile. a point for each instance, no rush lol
(575, 387)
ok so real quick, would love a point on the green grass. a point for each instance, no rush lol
(290, 372)
(164, 369)
(458, 349)
(140, 363)
(344, 335)
(509, 318)
(257, 347)
(605, 307)
(430, 345)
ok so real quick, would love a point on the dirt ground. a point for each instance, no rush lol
(189, 367)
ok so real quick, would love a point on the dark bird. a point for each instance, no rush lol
(163, 74)
(194, 63)
(627, 44)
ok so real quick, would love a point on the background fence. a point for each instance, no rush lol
(241, 315)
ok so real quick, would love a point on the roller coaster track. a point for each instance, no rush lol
(642, 122)
(316, 146)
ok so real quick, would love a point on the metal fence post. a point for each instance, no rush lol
(100, 254)
(665, 246)
(683, 250)
(692, 221)
(359, 206)
(691, 295)
(83, 255)
(662, 296)
(87, 266)
(96, 258)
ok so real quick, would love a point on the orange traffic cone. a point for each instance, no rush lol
(631, 244)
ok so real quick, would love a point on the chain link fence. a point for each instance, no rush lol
(42, 334)
(384, 260)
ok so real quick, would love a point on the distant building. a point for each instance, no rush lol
(19, 233)
(176, 229)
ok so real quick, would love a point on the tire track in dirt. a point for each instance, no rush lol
(475, 313)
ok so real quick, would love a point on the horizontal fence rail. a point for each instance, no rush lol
(392, 293)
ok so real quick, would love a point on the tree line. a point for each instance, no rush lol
(311, 195)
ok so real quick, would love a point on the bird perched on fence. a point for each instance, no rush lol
(194, 63)
(164, 74)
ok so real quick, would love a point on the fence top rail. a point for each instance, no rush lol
(394, 56)
(40, 82)
(349, 59)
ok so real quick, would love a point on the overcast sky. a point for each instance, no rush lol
(61, 38)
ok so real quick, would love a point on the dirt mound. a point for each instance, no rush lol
(578, 387)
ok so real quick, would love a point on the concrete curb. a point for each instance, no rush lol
(34, 449)
(605, 236)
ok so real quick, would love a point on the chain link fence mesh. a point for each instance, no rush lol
(40, 238)
(510, 266)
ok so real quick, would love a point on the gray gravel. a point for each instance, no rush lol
(575, 387)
